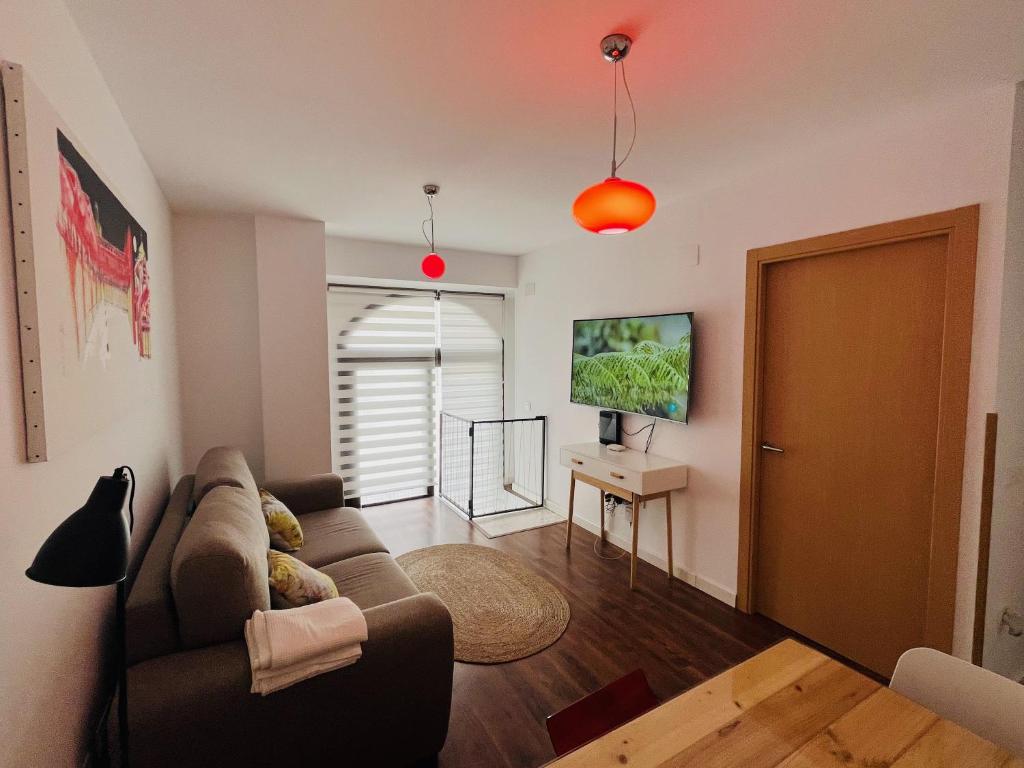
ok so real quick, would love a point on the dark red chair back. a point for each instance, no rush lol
(600, 712)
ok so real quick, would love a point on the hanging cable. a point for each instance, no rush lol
(622, 552)
(615, 116)
(633, 511)
(616, 163)
(430, 219)
(650, 437)
(632, 108)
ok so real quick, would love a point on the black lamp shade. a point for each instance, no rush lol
(90, 548)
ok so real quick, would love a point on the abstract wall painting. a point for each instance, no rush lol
(107, 257)
(82, 274)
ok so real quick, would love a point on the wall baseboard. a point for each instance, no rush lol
(707, 586)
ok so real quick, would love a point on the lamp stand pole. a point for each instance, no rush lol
(122, 669)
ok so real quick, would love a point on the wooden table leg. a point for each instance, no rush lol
(636, 529)
(572, 498)
(600, 497)
(668, 529)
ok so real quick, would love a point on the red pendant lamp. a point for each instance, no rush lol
(433, 266)
(615, 205)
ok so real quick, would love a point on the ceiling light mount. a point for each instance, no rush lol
(616, 47)
(431, 190)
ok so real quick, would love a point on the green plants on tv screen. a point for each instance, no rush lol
(636, 364)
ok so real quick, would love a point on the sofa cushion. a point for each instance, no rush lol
(222, 466)
(285, 531)
(294, 584)
(219, 570)
(331, 535)
(152, 624)
(370, 580)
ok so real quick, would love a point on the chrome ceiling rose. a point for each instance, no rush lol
(616, 47)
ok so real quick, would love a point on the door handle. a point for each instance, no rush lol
(770, 447)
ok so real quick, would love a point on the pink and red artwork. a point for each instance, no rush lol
(107, 257)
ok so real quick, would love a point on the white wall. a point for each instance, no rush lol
(52, 640)
(291, 279)
(252, 304)
(1005, 654)
(376, 261)
(930, 157)
(218, 334)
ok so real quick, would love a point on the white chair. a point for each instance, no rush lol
(981, 701)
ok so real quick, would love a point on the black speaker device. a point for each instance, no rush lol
(610, 427)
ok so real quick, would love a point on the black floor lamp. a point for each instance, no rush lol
(90, 549)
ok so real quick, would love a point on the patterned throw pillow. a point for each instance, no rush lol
(293, 583)
(285, 531)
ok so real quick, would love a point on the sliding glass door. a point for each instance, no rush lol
(396, 358)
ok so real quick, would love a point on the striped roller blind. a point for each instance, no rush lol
(383, 352)
(472, 354)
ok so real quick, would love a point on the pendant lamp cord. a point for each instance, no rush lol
(118, 474)
(615, 115)
(617, 164)
(430, 219)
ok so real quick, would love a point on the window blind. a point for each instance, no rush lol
(472, 355)
(397, 357)
(472, 386)
(383, 352)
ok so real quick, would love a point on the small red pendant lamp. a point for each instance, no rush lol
(433, 266)
(615, 205)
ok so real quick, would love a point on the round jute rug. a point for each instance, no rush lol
(501, 610)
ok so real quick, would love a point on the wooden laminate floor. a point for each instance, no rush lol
(678, 635)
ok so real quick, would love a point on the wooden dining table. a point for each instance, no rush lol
(792, 707)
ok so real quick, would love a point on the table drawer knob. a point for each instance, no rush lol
(617, 476)
(577, 461)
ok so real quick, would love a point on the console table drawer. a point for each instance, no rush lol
(630, 470)
(624, 478)
(613, 474)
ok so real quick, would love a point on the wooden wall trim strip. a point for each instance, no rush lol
(12, 84)
(988, 479)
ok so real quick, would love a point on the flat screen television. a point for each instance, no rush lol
(634, 364)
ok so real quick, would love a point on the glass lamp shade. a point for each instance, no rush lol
(90, 548)
(433, 266)
(614, 206)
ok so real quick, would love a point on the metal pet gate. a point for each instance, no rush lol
(493, 465)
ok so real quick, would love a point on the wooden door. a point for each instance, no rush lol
(860, 373)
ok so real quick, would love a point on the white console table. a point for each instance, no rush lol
(632, 475)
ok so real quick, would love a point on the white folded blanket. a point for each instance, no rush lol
(287, 646)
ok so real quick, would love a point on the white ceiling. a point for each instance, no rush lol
(341, 109)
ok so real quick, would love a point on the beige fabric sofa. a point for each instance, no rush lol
(203, 575)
